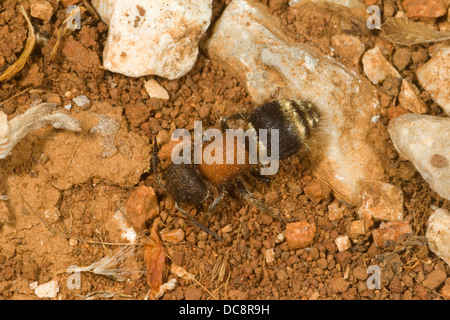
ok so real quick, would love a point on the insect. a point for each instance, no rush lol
(189, 184)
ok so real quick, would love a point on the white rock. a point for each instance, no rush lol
(47, 290)
(409, 100)
(128, 232)
(345, 3)
(82, 101)
(434, 77)
(155, 90)
(247, 41)
(438, 234)
(425, 141)
(376, 67)
(280, 237)
(343, 243)
(154, 37)
(34, 285)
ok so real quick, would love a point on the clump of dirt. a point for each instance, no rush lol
(45, 227)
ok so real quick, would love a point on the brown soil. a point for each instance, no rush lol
(39, 246)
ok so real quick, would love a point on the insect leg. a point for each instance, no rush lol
(216, 201)
(198, 224)
(248, 196)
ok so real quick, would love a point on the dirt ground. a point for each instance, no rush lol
(49, 224)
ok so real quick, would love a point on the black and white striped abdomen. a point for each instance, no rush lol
(296, 120)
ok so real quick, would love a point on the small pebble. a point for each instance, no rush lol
(47, 290)
(34, 285)
(280, 237)
(390, 233)
(141, 205)
(155, 90)
(227, 228)
(381, 201)
(300, 234)
(376, 67)
(409, 99)
(343, 243)
(82, 101)
(173, 236)
(270, 256)
(41, 9)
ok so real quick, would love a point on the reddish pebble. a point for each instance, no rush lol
(371, 2)
(425, 8)
(67, 3)
(394, 112)
(390, 233)
(445, 291)
(141, 205)
(316, 190)
(300, 234)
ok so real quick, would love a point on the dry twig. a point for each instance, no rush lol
(29, 46)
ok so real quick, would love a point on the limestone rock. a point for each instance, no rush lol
(434, 77)
(247, 41)
(47, 290)
(425, 141)
(381, 201)
(409, 100)
(376, 67)
(155, 90)
(438, 234)
(154, 37)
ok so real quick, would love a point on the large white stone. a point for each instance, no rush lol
(345, 3)
(434, 77)
(153, 37)
(47, 290)
(425, 141)
(247, 40)
(438, 234)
